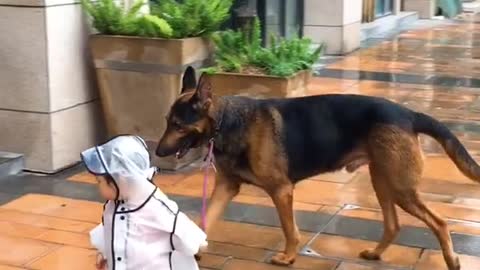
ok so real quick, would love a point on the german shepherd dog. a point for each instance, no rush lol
(275, 143)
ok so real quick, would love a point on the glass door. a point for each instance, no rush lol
(383, 8)
(278, 17)
(293, 18)
(282, 18)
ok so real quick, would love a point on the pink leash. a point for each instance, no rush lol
(209, 162)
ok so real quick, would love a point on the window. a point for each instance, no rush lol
(383, 8)
(278, 17)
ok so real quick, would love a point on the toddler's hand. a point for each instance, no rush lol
(101, 262)
(203, 248)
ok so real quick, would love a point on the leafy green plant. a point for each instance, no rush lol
(241, 51)
(110, 18)
(193, 18)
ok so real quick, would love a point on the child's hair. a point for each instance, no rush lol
(109, 179)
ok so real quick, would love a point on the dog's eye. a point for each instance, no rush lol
(179, 128)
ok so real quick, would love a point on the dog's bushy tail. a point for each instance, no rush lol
(452, 145)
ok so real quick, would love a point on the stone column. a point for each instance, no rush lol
(397, 6)
(49, 106)
(334, 22)
(425, 8)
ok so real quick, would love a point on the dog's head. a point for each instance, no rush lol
(188, 122)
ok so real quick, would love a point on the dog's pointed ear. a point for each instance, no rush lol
(189, 81)
(203, 95)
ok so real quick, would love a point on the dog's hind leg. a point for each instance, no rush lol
(282, 197)
(396, 156)
(414, 206)
(391, 226)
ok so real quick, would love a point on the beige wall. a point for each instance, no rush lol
(425, 8)
(48, 102)
(334, 22)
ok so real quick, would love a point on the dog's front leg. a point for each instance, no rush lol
(282, 197)
(223, 192)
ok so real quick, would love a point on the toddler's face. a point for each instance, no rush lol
(107, 190)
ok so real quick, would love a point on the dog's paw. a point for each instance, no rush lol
(283, 259)
(370, 255)
(456, 265)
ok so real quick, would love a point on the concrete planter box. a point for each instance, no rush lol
(139, 79)
(260, 86)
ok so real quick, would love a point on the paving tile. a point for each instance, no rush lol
(7, 197)
(459, 212)
(254, 200)
(234, 233)
(336, 177)
(268, 216)
(242, 264)
(354, 266)
(66, 257)
(376, 214)
(54, 185)
(373, 230)
(192, 185)
(20, 230)
(237, 251)
(57, 207)
(360, 183)
(5, 267)
(347, 248)
(266, 237)
(311, 263)
(43, 221)
(16, 251)
(434, 260)
(333, 194)
(442, 168)
(212, 261)
(169, 179)
(83, 177)
(467, 202)
(464, 227)
(357, 223)
(316, 191)
(66, 238)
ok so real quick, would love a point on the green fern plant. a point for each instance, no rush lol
(193, 18)
(110, 18)
(241, 50)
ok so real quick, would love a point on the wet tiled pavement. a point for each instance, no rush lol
(45, 219)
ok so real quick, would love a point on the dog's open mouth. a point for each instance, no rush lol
(182, 152)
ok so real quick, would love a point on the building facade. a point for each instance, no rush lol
(340, 24)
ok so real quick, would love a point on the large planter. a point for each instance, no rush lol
(139, 79)
(260, 86)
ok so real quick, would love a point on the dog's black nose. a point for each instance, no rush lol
(161, 152)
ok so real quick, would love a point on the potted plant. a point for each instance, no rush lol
(244, 67)
(141, 55)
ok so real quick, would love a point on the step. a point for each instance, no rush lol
(383, 27)
(11, 163)
(471, 6)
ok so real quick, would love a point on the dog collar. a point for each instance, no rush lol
(218, 125)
